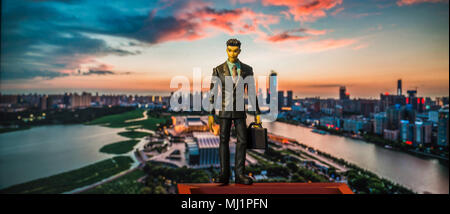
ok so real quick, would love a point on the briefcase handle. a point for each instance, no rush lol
(255, 124)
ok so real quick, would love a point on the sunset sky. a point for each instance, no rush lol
(139, 46)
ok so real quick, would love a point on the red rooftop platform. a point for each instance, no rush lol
(265, 188)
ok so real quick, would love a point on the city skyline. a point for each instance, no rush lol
(167, 94)
(315, 48)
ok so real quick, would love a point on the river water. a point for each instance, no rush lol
(419, 174)
(48, 150)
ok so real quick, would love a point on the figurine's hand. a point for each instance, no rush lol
(211, 123)
(258, 119)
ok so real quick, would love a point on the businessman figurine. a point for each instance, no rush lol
(238, 71)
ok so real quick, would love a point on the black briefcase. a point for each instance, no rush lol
(256, 136)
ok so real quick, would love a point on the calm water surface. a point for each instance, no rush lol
(419, 174)
(47, 150)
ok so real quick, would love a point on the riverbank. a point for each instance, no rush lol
(13, 128)
(85, 176)
(362, 180)
(376, 140)
(422, 175)
(16, 121)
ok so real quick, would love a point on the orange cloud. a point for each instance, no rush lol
(288, 35)
(285, 37)
(201, 21)
(305, 11)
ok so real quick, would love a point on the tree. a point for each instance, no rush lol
(146, 190)
(160, 190)
(292, 166)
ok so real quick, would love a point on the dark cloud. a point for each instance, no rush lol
(90, 72)
(144, 28)
(29, 74)
(104, 72)
(54, 36)
(38, 36)
(42, 40)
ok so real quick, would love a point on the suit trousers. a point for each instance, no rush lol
(241, 145)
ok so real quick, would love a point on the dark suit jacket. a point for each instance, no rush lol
(222, 71)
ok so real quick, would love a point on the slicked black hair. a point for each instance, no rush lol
(234, 42)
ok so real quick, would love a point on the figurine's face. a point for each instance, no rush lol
(233, 52)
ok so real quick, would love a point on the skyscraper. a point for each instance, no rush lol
(272, 87)
(443, 128)
(399, 87)
(289, 98)
(380, 122)
(343, 95)
(418, 133)
(280, 99)
(404, 134)
(393, 117)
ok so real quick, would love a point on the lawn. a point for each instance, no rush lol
(119, 147)
(133, 134)
(126, 184)
(118, 120)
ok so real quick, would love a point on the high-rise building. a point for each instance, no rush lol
(273, 86)
(353, 125)
(427, 132)
(387, 100)
(418, 133)
(9, 99)
(391, 135)
(83, 100)
(280, 99)
(43, 102)
(404, 134)
(433, 116)
(407, 113)
(393, 117)
(367, 107)
(442, 136)
(417, 103)
(289, 98)
(343, 95)
(399, 87)
(422, 133)
(379, 123)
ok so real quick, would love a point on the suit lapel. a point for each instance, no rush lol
(225, 70)
(242, 74)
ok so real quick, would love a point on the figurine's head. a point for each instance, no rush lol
(233, 49)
